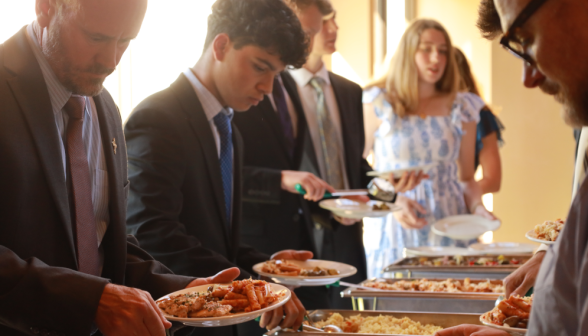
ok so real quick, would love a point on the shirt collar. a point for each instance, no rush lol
(302, 76)
(210, 104)
(58, 94)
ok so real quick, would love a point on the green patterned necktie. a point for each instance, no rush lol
(328, 137)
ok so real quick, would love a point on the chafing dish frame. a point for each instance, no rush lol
(444, 320)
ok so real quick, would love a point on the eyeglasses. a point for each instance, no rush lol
(511, 43)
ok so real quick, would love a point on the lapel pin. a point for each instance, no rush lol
(114, 145)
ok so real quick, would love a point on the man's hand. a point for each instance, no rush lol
(314, 186)
(224, 276)
(473, 330)
(520, 281)
(351, 221)
(408, 180)
(292, 255)
(129, 311)
(294, 311)
(408, 215)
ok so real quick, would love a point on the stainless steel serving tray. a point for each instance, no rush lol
(402, 268)
(375, 293)
(444, 320)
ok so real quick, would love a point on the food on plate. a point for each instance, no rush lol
(513, 312)
(240, 296)
(549, 230)
(283, 267)
(380, 206)
(464, 261)
(447, 286)
(383, 324)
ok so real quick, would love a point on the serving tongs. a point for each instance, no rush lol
(378, 189)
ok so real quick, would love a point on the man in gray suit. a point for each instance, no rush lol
(66, 267)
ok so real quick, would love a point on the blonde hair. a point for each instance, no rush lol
(401, 83)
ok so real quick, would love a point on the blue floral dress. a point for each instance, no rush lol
(414, 141)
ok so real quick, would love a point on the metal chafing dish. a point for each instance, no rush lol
(444, 320)
(420, 301)
(406, 268)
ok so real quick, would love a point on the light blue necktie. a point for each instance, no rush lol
(223, 125)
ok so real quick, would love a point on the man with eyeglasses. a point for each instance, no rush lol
(549, 37)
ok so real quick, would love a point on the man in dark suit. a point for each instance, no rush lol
(185, 155)
(273, 133)
(65, 262)
(334, 115)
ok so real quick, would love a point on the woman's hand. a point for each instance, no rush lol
(408, 217)
(408, 180)
(480, 210)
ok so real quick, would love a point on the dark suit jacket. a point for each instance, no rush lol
(273, 219)
(345, 243)
(40, 289)
(176, 204)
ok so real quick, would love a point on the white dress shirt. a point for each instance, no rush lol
(308, 96)
(212, 107)
(291, 109)
(210, 104)
(59, 96)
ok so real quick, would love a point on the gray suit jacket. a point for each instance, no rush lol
(40, 289)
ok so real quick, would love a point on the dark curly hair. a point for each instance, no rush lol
(268, 24)
(488, 20)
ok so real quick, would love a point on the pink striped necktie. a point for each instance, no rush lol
(81, 188)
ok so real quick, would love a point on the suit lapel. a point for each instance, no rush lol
(270, 116)
(292, 90)
(111, 129)
(30, 90)
(237, 190)
(195, 112)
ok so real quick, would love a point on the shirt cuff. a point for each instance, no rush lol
(542, 248)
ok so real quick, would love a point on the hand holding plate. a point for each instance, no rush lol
(520, 281)
(225, 276)
(294, 315)
(292, 255)
(129, 311)
(408, 180)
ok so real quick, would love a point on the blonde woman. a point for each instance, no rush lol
(423, 119)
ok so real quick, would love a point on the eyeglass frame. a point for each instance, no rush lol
(521, 19)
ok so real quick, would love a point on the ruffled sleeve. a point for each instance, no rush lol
(370, 94)
(489, 124)
(469, 106)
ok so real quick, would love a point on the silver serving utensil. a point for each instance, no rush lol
(378, 188)
(381, 190)
(326, 329)
(499, 299)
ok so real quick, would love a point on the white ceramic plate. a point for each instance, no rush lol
(346, 208)
(399, 172)
(464, 227)
(307, 281)
(532, 236)
(502, 248)
(510, 330)
(284, 296)
(434, 251)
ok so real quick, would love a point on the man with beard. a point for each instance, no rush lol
(548, 37)
(65, 264)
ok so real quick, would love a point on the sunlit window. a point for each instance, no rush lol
(170, 41)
